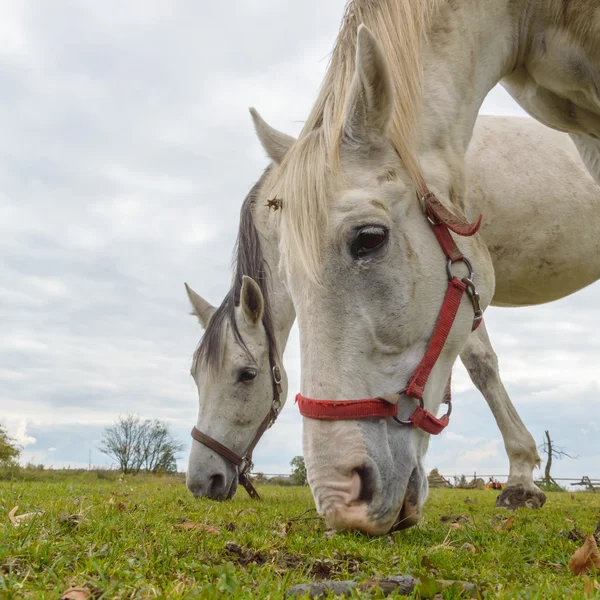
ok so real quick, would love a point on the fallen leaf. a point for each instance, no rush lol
(88, 592)
(111, 500)
(590, 586)
(456, 526)
(76, 594)
(469, 548)
(16, 520)
(507, 525)
(121, 506)
(587, 557)
(190, 525)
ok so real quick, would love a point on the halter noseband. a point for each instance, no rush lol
(442, 221)
(244, 463)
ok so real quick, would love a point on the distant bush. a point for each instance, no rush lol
(15, 472)
(285, 481)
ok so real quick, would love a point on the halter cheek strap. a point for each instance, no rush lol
(442, 221)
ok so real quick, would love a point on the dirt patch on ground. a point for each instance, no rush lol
(285, 561)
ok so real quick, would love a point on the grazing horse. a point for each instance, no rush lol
(233, 370)
(387, 274)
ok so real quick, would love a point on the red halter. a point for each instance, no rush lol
(442, 221)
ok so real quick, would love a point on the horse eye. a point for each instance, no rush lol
(248, 374)
(368, 240)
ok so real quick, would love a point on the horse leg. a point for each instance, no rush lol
(481, 362)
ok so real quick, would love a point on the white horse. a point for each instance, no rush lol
(234, 400)
(371, 193)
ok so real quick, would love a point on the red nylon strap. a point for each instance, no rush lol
(450, 306)
(442, 220)
(332, 410)
(424, 420)
(437, 212)
(447, 243)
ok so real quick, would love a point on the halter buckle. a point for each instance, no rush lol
(245, 466)
(472, 293)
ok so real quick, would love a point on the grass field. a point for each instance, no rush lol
(149, 538)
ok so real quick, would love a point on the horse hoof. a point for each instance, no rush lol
(518, 496)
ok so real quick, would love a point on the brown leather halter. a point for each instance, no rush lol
(244, 463)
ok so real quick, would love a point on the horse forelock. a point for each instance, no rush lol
(248, 260)
(311, 165)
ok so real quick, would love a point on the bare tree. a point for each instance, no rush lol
(551, 451)
(137, 444)
(159, 449)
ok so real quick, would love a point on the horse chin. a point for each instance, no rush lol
(409, 516)
(232, 488)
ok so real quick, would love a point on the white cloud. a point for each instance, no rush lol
(17, 430)
(479, 456)
(453, 437)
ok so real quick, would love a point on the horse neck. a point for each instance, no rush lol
(284, 315)
(471, 47)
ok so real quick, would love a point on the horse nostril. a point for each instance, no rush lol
(366, 484)
(216, 485)
(196, 490)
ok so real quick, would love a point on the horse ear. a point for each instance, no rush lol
(201, 308)
(251, 301)
(275, 143)
(371, 96)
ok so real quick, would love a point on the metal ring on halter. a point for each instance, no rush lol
(401, 393)
(276, 371)
(449, 264)
(449, 411)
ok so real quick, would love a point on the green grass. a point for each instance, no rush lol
(127, 545)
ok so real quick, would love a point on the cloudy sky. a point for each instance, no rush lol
(126, 151)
